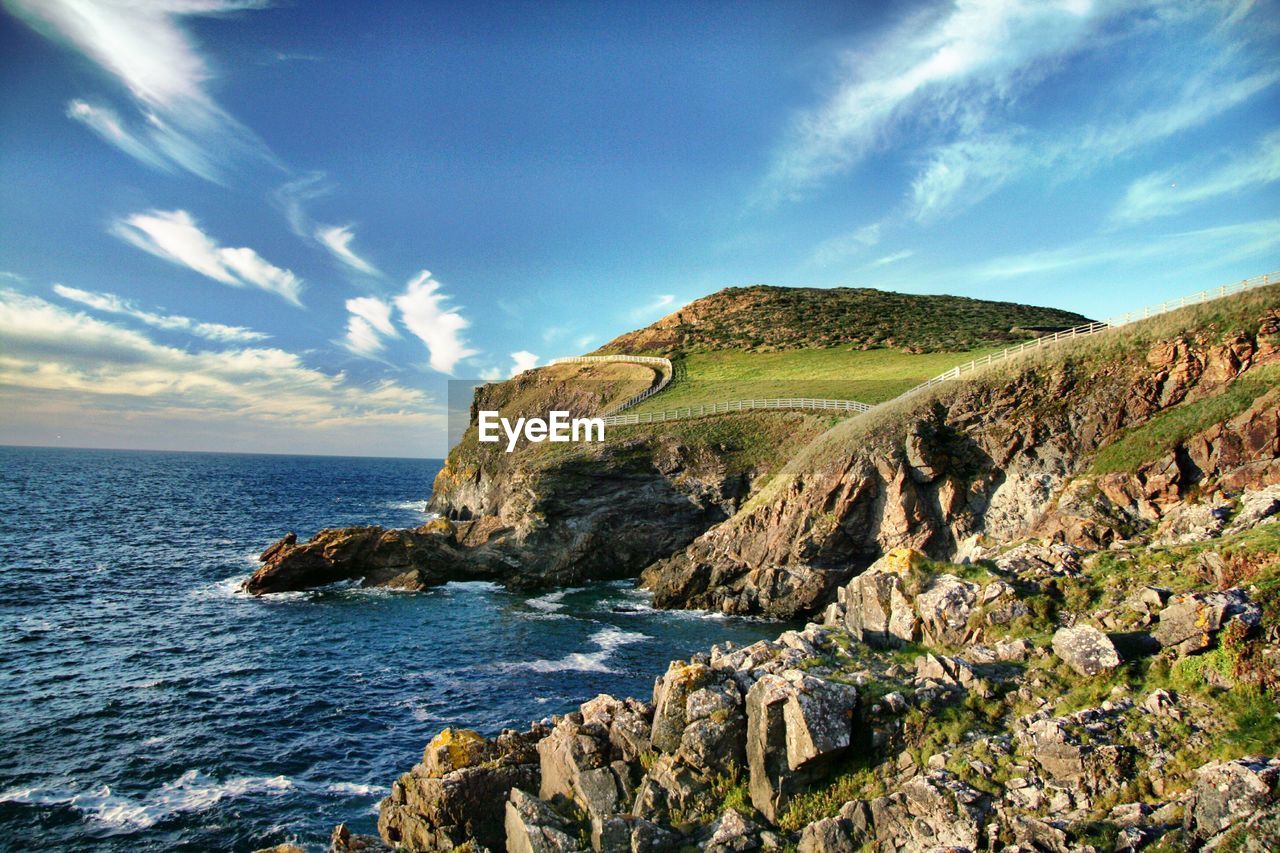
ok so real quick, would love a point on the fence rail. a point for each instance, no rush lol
(665, 374)
(1096, 328)
(738, 406)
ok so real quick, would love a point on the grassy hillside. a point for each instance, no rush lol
(836, 373)
(769, 319)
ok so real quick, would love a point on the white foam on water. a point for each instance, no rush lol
(355, 789)
(193, 791)
(225, 588)
(419, 505)
(608, 639)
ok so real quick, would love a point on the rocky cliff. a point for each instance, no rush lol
(1092, 444)
(556, 515)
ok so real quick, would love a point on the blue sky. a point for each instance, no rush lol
(233, 225)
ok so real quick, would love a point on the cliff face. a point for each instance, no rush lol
(556, 515)
(1003, 458)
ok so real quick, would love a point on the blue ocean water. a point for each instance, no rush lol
(147, 705)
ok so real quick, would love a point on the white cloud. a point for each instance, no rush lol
(661, 304)
(1170, 192)
(963, 174)
(112, 304)
(939, 66)
(585, 341)
(176, 237)
(491, 374)
(337, 239)
(423, 312)
(293, 198)
(143, 45)
(891, 259)
(59, 354)
(521, 361)
(368, 323)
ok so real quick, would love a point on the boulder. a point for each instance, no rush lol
(1086, 650)
(1226, 792)
(944, 610)
(1257, 506)
(934, 669)
(670, 699)
(877, 607)
(931, 812)
(732, 833)
(532, 827)
(793, 721)
(1191, 621)
(577, 763)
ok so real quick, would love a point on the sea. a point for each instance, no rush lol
(147, 704)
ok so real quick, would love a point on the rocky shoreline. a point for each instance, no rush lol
(1019, 642)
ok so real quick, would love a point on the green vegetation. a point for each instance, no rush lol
(1147, 442)
(856, 779)
(765, 319)
(840, 373)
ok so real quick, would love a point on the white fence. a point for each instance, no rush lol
(738, 406)
(666, 372)
(1094, 328)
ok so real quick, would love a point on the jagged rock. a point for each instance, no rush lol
(933, 811)
(1226, 792)
(375, 556)
(1085, 649)
(455, 749)
(627, 721)
(944, 610)
(670, 698)
(1067, 761)
(577, 763)
(793, 720)
(878, 610)
(1258, 506)
(532, 827)
(950, 671)
(1191, 620)
(1192, 522)
(1003, 651)
(1032, 560)
(342, 840)
(426, 811)
(1032, 833)
(715, 738)
(281, 848)
(668, 784)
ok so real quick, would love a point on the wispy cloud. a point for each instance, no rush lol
(661, 304)
(424, 313)
(369, 321)
(176, 237)
(933, 67)
(112, 304)
(1218, 245)
(891, 259)
(337, 239)
(1171, 191)
(294, 197)
(523, 360)
(73, 356)
(145, 47)
(843, 246)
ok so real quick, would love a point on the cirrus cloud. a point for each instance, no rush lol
(424, 312)
(176, 237)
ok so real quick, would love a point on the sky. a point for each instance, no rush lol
(232, 225)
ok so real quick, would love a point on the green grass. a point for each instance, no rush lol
(1147, 442)
(835, 373)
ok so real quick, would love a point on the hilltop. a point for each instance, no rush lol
(763, 318)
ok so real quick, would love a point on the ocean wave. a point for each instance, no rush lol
(419, 505)
(608, 640)
(552, 601)
(193, 791)
(355, 789)
(225, 588)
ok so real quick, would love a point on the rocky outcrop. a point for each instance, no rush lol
(1192, 621)
(460, 790)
